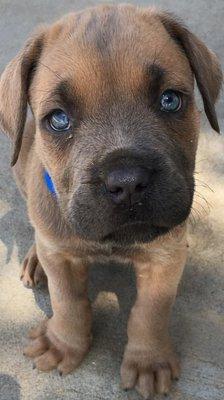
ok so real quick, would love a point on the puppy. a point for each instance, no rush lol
(106, 164)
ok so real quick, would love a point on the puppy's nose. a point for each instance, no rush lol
(127, 184)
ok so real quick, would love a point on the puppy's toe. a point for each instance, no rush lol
(32, 272)
(27, 273)
(49, 360)
(128, 376)
(39, 275)
(143, 381)
(163, 380)
(37, 347)
(145, 385)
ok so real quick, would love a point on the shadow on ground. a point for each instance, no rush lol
(9, 388)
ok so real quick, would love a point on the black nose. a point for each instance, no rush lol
(127, 184)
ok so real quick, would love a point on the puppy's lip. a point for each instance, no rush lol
(127, 224)
(144, 224)
(133, 224)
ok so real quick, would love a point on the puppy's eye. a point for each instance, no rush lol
(170, 101)
(59, 121)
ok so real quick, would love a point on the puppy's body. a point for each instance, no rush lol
(122, 170)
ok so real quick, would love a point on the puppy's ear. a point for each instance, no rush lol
(203, 62)
(14, 86)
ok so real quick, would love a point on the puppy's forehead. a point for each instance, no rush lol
(111, 48)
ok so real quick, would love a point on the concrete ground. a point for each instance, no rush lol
(198, 321)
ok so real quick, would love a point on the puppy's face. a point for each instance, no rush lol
(116, 123)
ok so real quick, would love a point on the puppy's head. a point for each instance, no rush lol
(112, 94)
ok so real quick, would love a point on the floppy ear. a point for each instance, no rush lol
(14, 85)
(203, 62)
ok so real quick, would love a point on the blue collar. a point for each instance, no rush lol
(49, 183)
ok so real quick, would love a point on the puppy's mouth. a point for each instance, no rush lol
(135, 232)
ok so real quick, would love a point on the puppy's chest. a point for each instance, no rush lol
(120, 256)
(104, 253)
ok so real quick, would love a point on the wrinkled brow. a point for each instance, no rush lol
(155, 76)
(158, 76)
(62, 95)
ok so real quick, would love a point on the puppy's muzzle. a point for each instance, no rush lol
(130, 196)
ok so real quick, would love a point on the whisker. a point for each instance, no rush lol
(197, 194)
(201, 160)
(204, 184)
(202, 207)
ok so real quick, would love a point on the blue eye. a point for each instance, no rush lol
(170, 101)
(59, 121)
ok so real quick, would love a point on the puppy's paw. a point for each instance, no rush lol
(32, 272)
(149, 373)
(50, 353)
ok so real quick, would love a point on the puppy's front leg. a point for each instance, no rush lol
(149, 363)
(63, 340)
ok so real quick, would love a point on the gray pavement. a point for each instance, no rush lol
(198, 321)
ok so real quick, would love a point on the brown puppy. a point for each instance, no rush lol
(115, 127)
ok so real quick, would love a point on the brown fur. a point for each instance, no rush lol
(97, 66)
